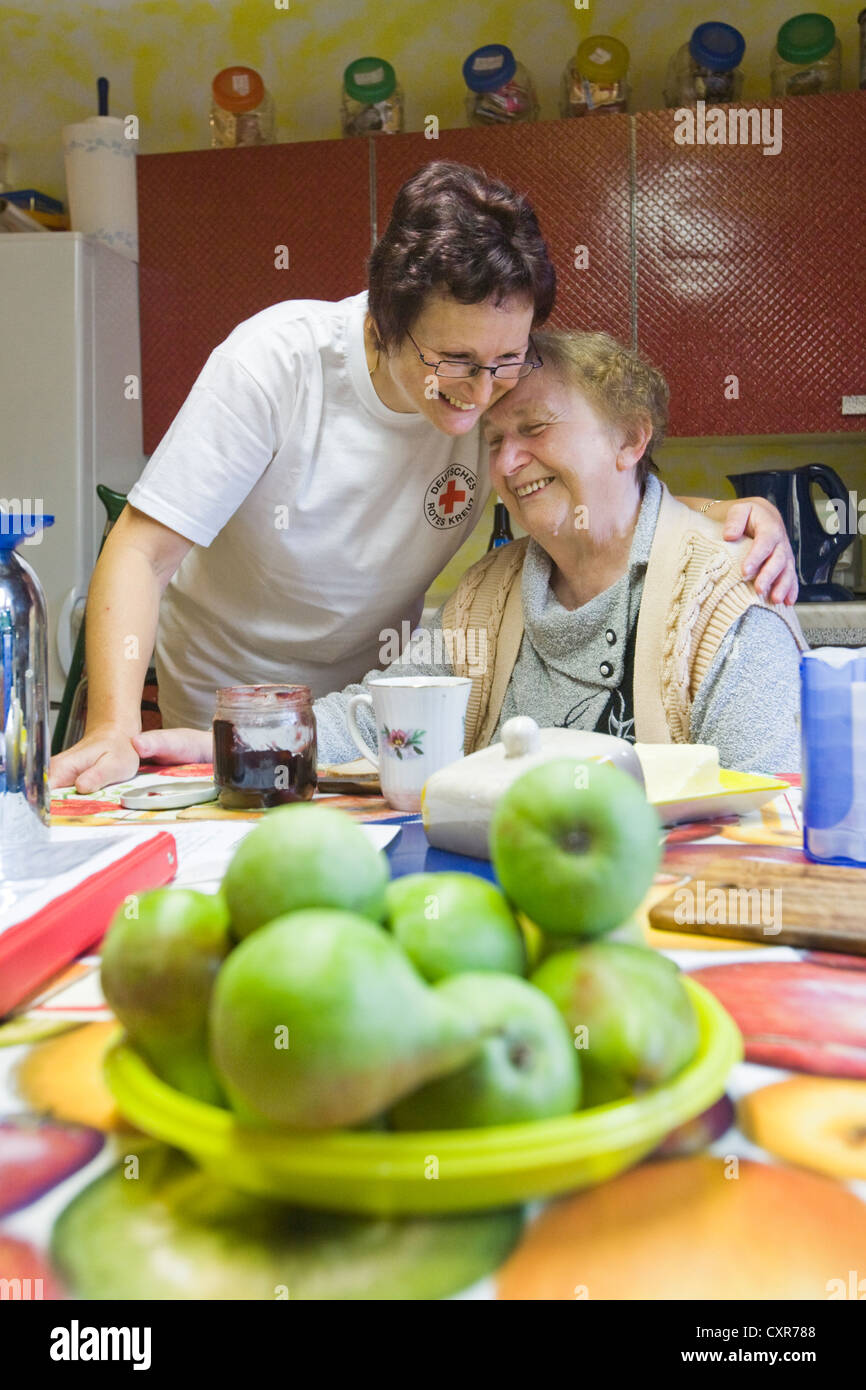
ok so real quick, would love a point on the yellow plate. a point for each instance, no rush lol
(381, 1174)
(739, 793)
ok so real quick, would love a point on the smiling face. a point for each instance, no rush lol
(551, 452)
(484, 333)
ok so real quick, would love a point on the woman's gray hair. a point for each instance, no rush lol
(625, 389)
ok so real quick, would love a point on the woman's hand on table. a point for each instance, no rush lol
(105, 755)
(175, 745)
(770, 562)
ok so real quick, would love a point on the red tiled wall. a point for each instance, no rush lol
(755, 265)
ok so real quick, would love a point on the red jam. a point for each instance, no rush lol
(264, 746)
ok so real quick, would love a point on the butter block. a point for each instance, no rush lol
(674, 771)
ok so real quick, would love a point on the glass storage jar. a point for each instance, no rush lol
(264, 745)
(594, 81)
(500, 89)
(807, 58)
(707, 68)
(372, 98)
(242, 111)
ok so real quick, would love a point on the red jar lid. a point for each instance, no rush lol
(238, 89)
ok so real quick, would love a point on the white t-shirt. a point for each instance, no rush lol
(320, 517)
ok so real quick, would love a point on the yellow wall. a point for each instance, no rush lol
(160, 58)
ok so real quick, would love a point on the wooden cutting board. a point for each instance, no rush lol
(780, 900)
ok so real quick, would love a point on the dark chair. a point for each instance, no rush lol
(72, 715)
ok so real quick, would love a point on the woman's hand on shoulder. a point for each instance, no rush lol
(770, 562)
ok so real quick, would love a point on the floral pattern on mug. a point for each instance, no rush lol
(400, 742)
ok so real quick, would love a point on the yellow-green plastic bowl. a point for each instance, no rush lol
(422, 1173)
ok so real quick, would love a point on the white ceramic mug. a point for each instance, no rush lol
(420, 727)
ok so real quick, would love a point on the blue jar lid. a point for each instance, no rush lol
(717, 46)
(17, 526)
(489, 67)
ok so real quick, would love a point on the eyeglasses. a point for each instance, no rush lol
(506, 371)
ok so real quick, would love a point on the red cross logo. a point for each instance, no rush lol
(450, 496)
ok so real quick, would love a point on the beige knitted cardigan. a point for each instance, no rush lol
(693, 592)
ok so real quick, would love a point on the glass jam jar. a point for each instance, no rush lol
(264, 745)
(242, 111)
(372, 98)
(807, 58)
(500, 89)
(707, 68)
(595, 79)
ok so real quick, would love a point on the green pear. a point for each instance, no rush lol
(304, 856)
(178, 1233)
(527, 1068)
(575, 846)
(319, 1019)
(159, 961)
(628, 1012)
(451, 922)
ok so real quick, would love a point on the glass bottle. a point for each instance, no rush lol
(501, 533)
(25, 798)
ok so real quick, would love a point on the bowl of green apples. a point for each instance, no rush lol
(319, 1033)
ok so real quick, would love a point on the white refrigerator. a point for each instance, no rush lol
(70, 407)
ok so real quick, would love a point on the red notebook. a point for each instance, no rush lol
(75, 918)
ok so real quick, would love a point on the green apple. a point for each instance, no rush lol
(527, 1068)
(451, 922)
(304, 856)
(575, 846)
(628, 1013)
(319, 1019)
(160, 958)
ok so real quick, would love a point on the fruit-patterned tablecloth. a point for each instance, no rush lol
(763, 1197)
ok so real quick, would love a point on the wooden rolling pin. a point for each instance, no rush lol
(780, 900)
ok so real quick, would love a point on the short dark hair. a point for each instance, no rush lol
(456, 230)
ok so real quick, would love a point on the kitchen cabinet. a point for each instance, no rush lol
(750, 270)
(225, 233)
(576, 174)
(739, 273)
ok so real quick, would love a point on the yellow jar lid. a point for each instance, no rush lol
(601, 58)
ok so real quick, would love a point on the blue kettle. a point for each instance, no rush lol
(815, 549)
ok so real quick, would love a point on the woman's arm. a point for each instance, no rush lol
(425, 656)
(748, 704)
(770, 562)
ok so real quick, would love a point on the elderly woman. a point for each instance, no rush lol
(622, 610)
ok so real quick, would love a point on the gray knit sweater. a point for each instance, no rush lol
(748, 705)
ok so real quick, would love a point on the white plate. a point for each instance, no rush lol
(738, 794)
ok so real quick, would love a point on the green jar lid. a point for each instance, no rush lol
(369, 80)
(806, 38)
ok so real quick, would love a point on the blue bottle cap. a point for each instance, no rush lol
(17, 526)
(717, 46)
(489, 67)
